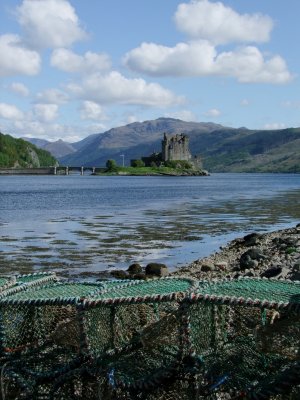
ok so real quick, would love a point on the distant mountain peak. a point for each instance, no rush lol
(223, 149)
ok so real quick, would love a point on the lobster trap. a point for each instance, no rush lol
(157, 340)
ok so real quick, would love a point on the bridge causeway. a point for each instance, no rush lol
(61, 170)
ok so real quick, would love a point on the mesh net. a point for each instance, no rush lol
(38, 278)
(5, 283)
(266, 290)
(137, 325)
(157, 339)
(245, 336)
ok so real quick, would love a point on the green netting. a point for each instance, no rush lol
(244, 335)
(137, 324)
(5, 283)
(23, 282)
(35, 277)
(157, 339)
(111, 283)
(156, 287)
(54, 291)
(255, 289)
(145, 336)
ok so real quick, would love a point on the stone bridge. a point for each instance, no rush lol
(61, 170)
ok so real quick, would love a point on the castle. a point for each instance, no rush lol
(176, 147)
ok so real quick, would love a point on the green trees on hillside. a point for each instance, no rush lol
(19, 153)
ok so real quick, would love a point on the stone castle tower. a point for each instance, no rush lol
(176, 147)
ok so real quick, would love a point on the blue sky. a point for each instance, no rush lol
(70, 68)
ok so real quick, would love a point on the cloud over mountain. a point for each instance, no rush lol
(116, 88)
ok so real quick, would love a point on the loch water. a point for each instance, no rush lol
(81, 225)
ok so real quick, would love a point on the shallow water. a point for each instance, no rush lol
(84, 224)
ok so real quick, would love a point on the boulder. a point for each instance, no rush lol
(255, 254)
(294, 276)
(296, 266)
(271, 272)
(157, 269)
(252, 239)
(284, 242)
(135, 268)
(290, 241)
(207, 267)
(250, 258)
(119, 274)
(139, 276)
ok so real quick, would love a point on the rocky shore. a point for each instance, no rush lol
(271, 255)
(268, 255)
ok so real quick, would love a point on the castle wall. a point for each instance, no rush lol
(176, 147)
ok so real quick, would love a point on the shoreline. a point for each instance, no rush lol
(274, 254)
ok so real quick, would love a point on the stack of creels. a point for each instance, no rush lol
(245, 338)
(154, 340)
(126, 335)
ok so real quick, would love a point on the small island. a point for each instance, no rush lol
(175, 159)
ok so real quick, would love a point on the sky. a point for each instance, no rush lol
(71, 68)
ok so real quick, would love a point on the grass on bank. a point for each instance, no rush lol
(149, 171)
(175, 168)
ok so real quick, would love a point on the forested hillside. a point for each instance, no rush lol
(16, 153)
(251, 151)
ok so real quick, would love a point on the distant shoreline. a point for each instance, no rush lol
(102, 171)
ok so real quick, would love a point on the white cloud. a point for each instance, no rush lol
(68, 61)
(9, 111)
(245, 102)
(184, 115)
(49, 23)
(246, 64)
(52, 131)
(93, 111)
(131, 118)
(45, 112)
(210, 24)
(19, 88)
(291, 104)
(185, 59)
(16, 59)
(212, 113)
(52, 96)
(274, 126)
(220, 24)
(115, 88)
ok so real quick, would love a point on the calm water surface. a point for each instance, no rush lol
(86, 224)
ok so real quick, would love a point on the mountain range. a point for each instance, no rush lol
(222, 149)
